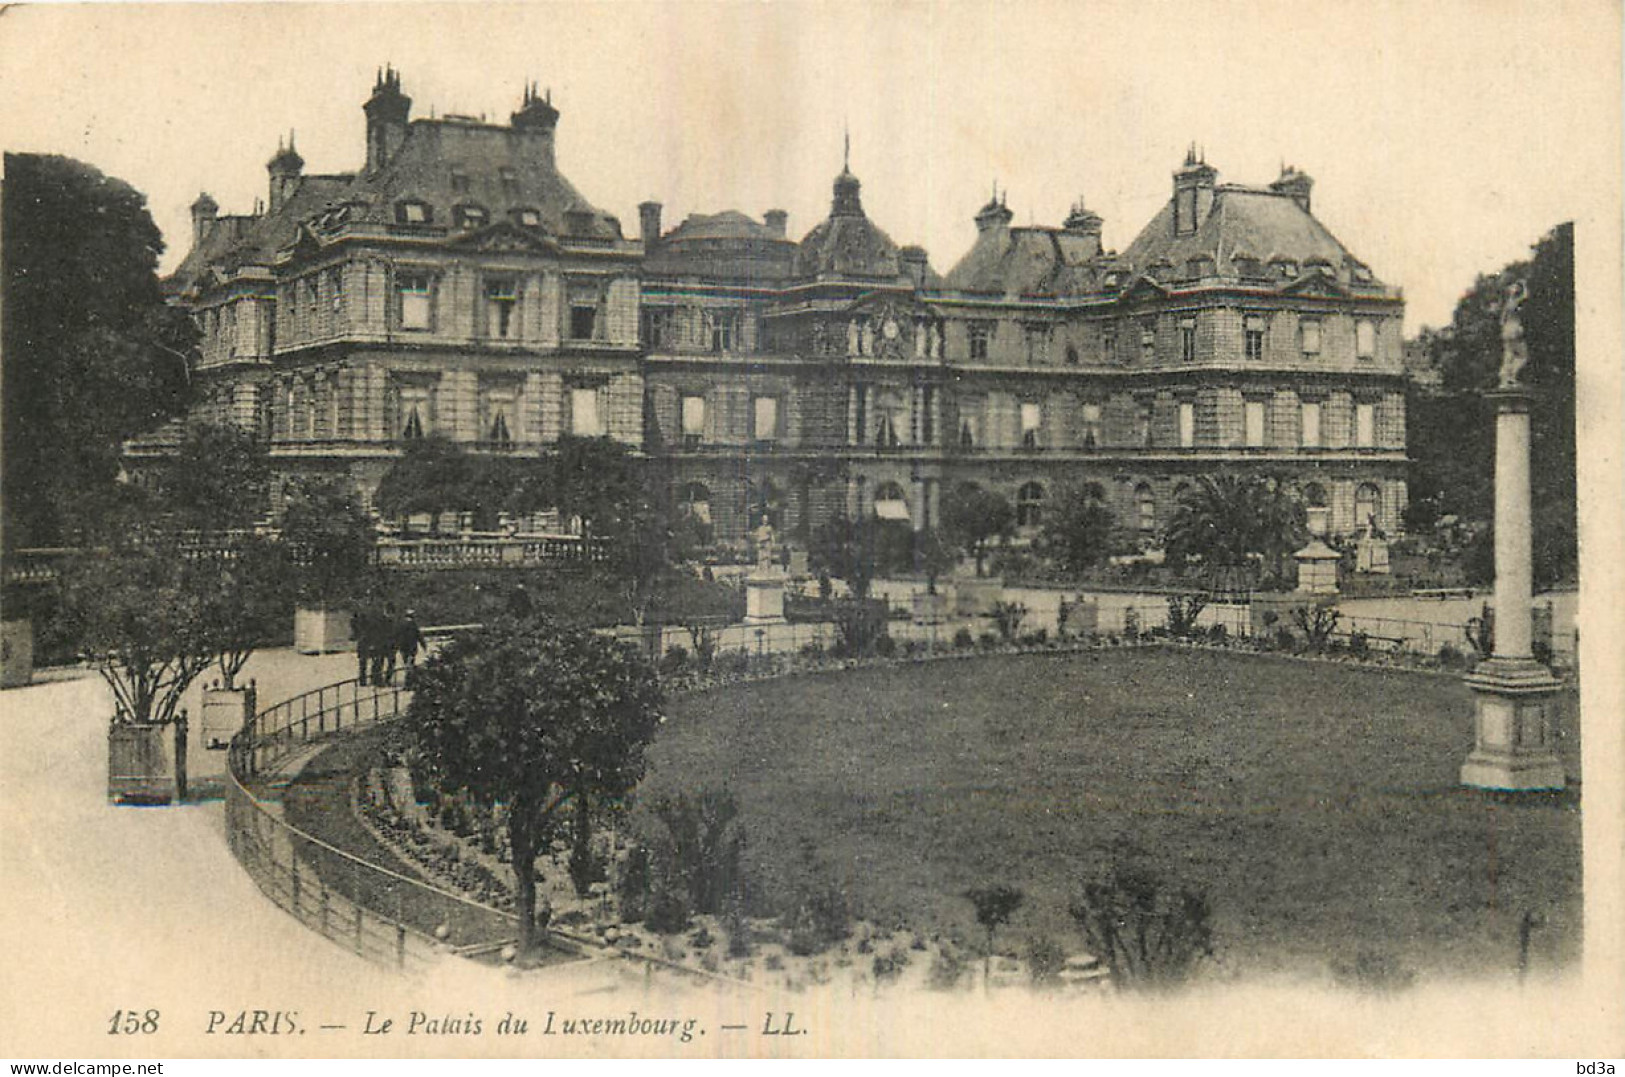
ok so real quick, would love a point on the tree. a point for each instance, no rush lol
(994, 907)
(243, 592)
(219, 478)
(597, 480)
(138, 614)
(1225, 518)
(533, 716)
(433, 475)
(329, 540)
(933, 555)
(93, 355)
(1077, 534)
(972, 517)
(1451, 433)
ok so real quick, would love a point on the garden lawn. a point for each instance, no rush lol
(1316, 804)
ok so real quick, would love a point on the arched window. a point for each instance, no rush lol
(764, 505)
(891, 503)
(1367, 505)
(1145, 508)
(1030, 505)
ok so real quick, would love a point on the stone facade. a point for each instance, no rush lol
(458, 285)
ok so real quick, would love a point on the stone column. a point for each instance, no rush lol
(1515, 743)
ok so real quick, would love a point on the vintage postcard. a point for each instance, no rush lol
(802, 530)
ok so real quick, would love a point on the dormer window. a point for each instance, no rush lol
(413, 213)
(1113, 279)
(526, 217)
(1285, 268)
(1247, 266)
(471, 216)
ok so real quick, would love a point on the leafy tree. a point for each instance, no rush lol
(534, 716)
(702, 848)
(1077, 533)
(93, 354)
(218, 479)
(994, 907)
(597, 480)
(933, 555)
(138, 614)
(1451, 433)
(972, 517)
(433, 475)
(242, 595)
(859, 550)
(329, 540)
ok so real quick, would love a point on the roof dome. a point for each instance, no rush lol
(847, 243)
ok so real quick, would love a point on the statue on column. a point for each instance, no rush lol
(1514, 350)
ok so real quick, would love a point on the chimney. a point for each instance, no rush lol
(1084, 222)
(387, 112)
(204, 211)
(776, 220)
(284, 168)
(996, 214)
(649, 224)
(914, 264)
(537, 119)
(1193, 192)
(1295, 185)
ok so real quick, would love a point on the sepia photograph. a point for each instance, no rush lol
(801, 530)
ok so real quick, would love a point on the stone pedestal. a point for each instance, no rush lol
(16, 653)
(1317, 568)
(320, 631)
(1514, 742)
(764, 598)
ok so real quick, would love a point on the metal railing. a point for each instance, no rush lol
(369, 909)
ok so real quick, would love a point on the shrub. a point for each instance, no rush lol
(1045, 959)
(673, 661)
(1035, 639)
(1317, 624)
(1359, 644)
(817, 914)
(947, 969)
(885, 647)
(733, 663)
(988, 641)
(1183, 611)
(1450, 657)
(1149, 934)
(813, 650)
(964, 640)
(1373, 971)
(1008, 617)
(737, 928)
(889, 966)
(667, 912)
(859, 626)
(1218, 634)
(1284, 639)
(1131, 624)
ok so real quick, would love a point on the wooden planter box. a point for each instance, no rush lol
(16, 653)
(140, 763)
(321, 631)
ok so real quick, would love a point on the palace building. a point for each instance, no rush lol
(458, 285)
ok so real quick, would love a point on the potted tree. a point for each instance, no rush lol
(239, 607)
(328, 540)
(137, 612)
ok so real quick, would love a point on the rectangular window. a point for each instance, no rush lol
(1032, 419)
(724, 330)
(1365, 339)
(415, 421)
(415, 291)
(766, 426)
(1254, 327)
(1148, 344)
(1091, 425)
(1365, 425)
(980, 334)
(860, 420)
(693, 419)
(585, 299)
(1187, 425)
(1254, 424)
(1037, 337)
(1309, 330)
(928, 415)
(1311, 425)
(501, 300)
(970, 430)
(1187, 340)
(335, 288)
(1142, 422)
(584, 418)
(498, 416)
(657, 327)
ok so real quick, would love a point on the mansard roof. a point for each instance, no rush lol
(1021, 261)
(236, 241)
(1244, 223)
(726, 246)
(448, 163)
(847, 243)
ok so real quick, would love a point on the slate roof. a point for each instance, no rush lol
(847, 243)
(726, 246)
(499, 168)
(235, 241)
(1243, 222)
(1021, 261)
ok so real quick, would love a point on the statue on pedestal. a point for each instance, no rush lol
(1514, 350)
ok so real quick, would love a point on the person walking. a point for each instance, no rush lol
(409, 639)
